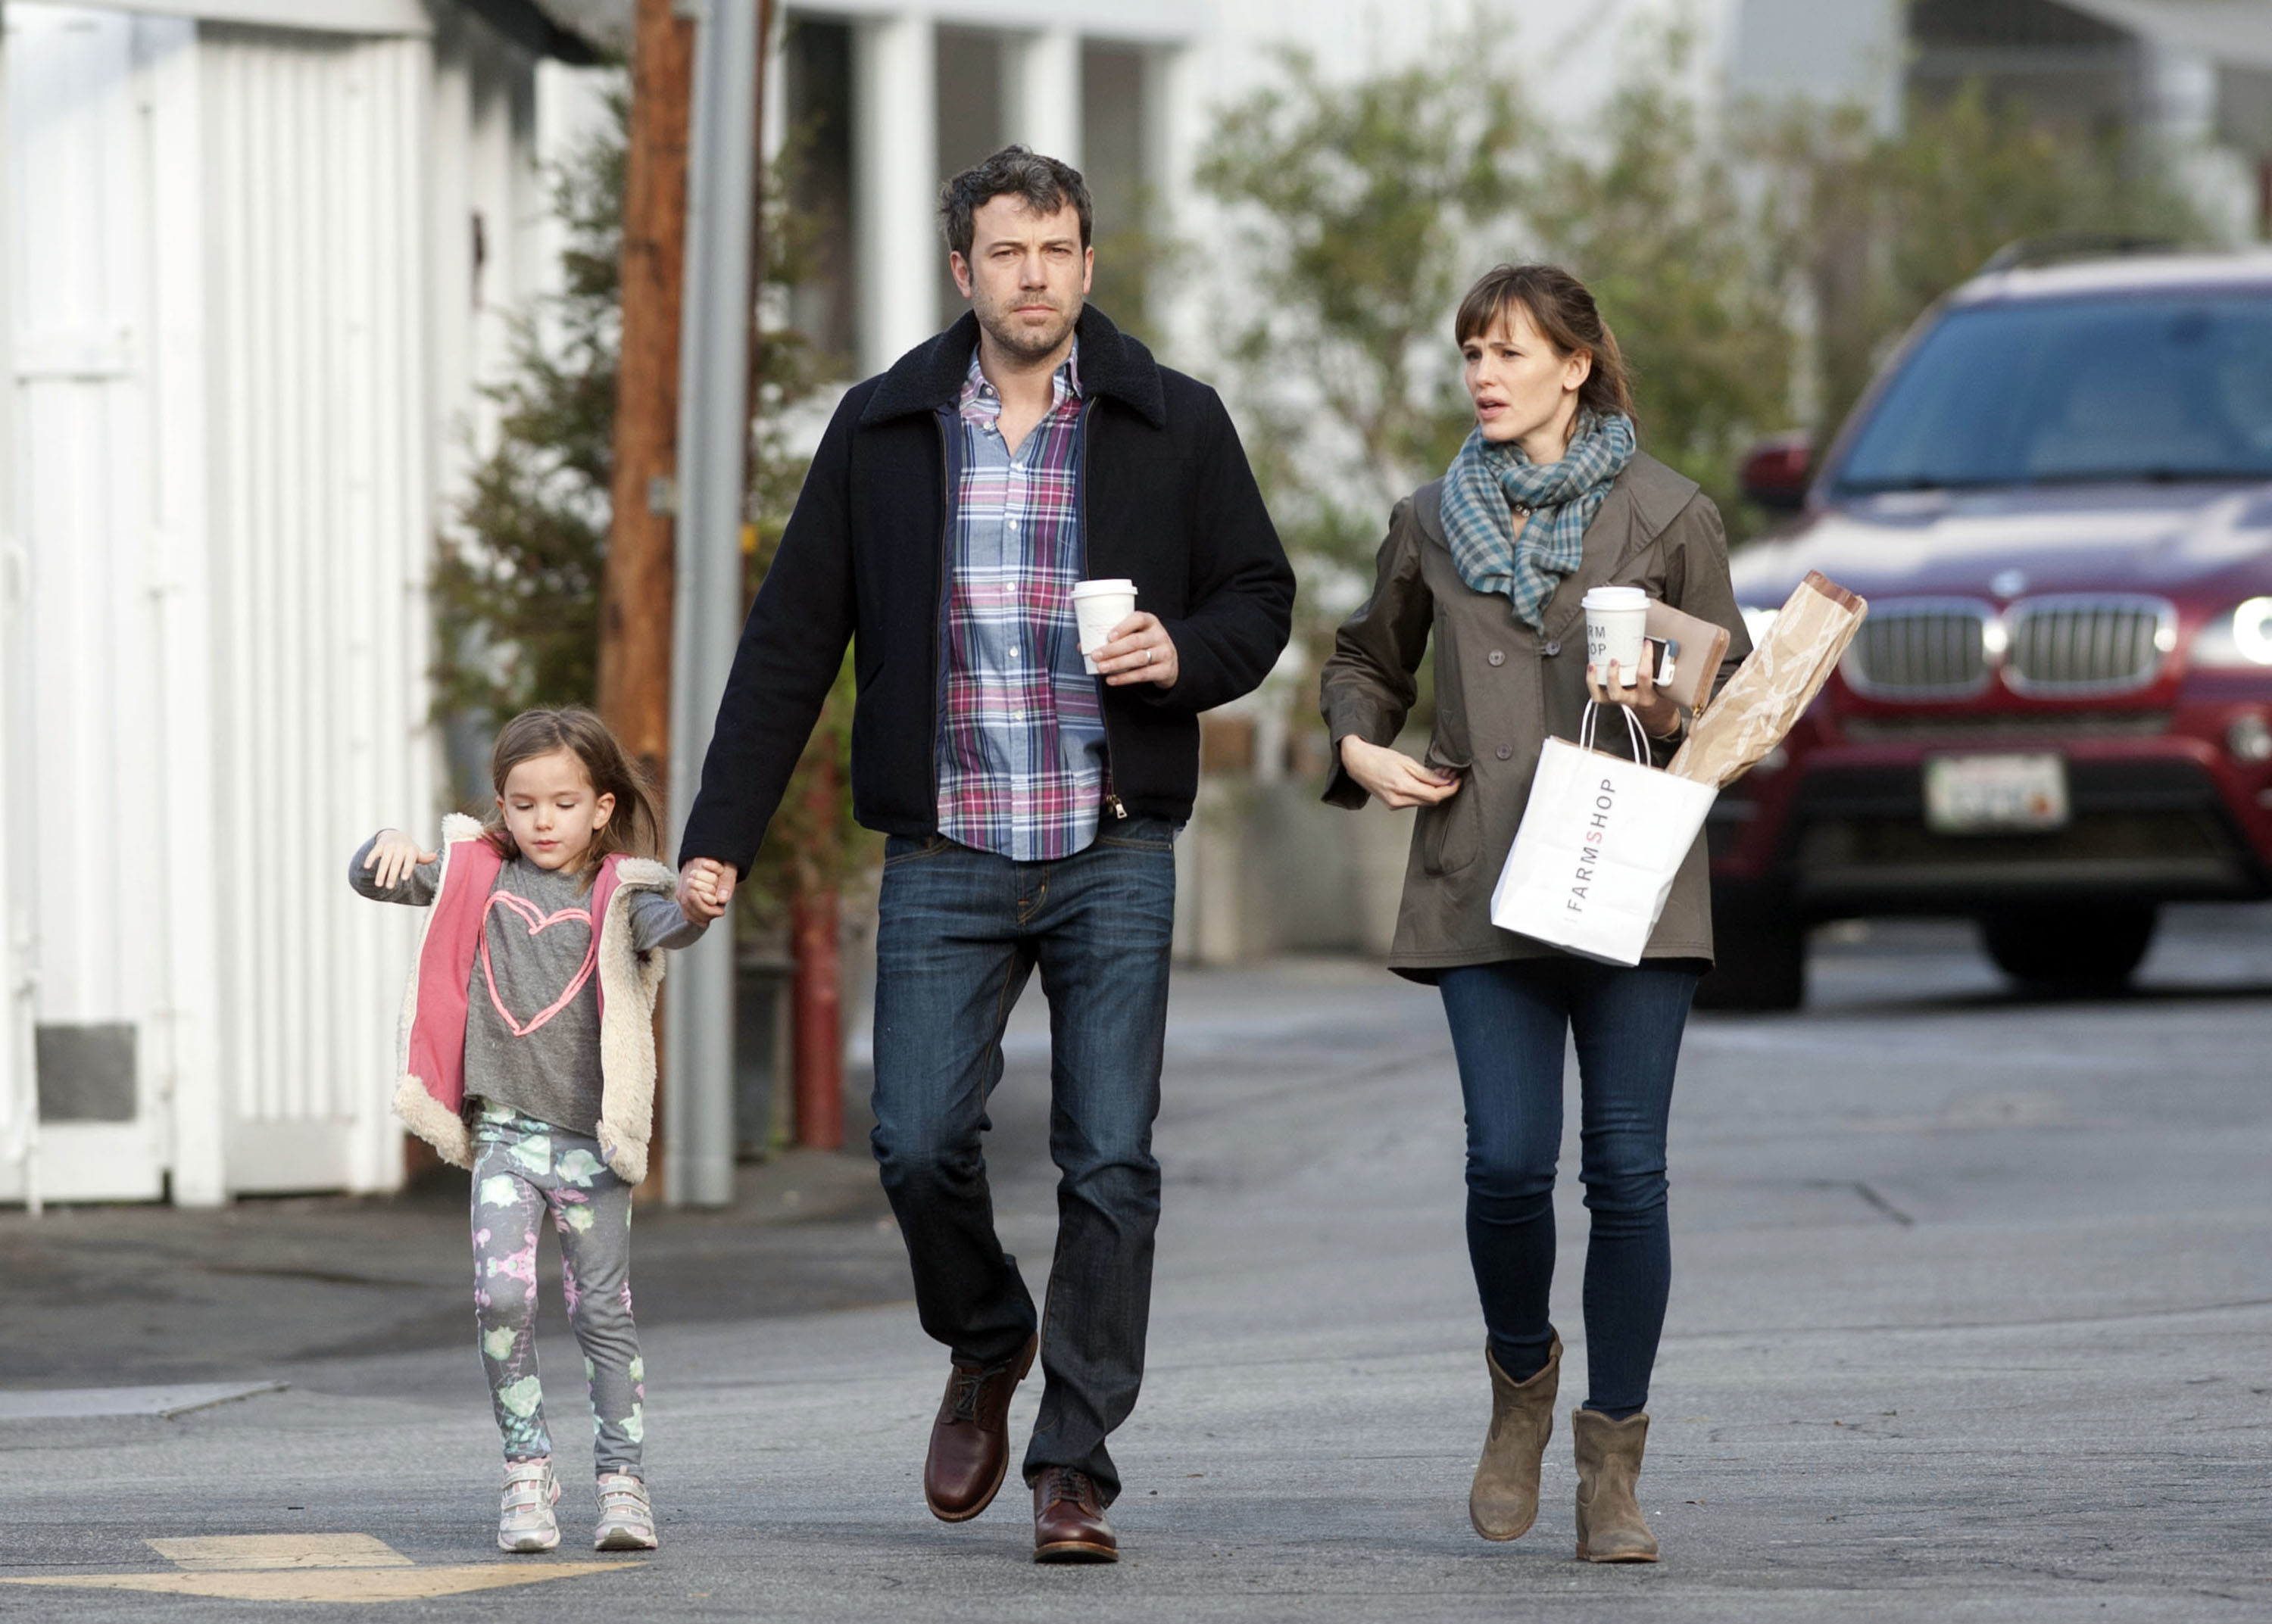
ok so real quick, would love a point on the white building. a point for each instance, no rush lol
(258, 253)
(892, 97)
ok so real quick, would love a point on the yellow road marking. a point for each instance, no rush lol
(238, 1551)
(318, 1567)
(344, 1584)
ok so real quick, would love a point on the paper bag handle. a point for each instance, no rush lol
(1639, 740)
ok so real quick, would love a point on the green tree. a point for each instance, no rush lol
(1355, 210)
(1365, 208)
(515, 588)
(1650, 215)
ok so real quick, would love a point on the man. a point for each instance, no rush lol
(953, 504)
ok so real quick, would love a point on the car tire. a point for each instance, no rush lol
(1759, 960)
(2071, 949)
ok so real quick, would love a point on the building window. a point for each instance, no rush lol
(2064, 66)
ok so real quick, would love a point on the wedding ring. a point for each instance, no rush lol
(1147, 656)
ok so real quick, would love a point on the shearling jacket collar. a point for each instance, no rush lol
(930, 375)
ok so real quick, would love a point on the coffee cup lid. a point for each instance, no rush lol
(1614, 597)
(1099, 588)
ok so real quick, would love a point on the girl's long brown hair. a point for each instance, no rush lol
(1561, 308)
(635, 827)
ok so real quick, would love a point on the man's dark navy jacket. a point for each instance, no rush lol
(1166, 501)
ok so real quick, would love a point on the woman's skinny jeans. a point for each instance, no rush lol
(1509, 1021)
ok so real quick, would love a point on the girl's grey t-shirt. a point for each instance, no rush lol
(533, 1002)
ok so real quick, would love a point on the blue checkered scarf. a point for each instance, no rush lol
(1489, 480)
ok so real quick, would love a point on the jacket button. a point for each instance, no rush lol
(1553, 649)
(1504, 751)
(1499, 656)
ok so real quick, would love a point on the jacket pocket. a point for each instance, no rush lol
(1451, 832)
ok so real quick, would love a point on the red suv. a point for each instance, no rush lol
(2058, 716)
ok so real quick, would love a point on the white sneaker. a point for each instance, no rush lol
(626, 1517)
(524, 1519)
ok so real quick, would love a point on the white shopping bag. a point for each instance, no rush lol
(1599, 845)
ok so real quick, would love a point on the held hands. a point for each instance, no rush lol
(1140, 652)
(705, 889)
(1394, 777)
(393, 855)
(1659, 717)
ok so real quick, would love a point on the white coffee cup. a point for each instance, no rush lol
(1097, 607)
(1616, 621)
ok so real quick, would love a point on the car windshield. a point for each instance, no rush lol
(2166, 387)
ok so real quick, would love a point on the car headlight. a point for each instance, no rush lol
(2240, 641)
(1756, 622)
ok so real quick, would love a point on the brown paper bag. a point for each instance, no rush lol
(1771, 689)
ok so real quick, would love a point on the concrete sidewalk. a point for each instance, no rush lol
(1972, 1299)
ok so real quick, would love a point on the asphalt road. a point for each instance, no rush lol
(1971, 1314)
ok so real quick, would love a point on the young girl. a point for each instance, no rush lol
(528, 1056)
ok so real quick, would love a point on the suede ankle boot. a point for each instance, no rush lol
(1504, 1501)
(1610, 1527)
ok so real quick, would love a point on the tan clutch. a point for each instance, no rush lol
(1697, 647)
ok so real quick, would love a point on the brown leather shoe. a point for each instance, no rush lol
(1069, 1524)
(970, 1439)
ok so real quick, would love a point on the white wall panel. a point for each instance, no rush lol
(244, 331)
(18, 1119)
(183, 1029)
(321, 539)
(80, 275)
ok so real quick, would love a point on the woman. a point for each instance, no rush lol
(1548, 499)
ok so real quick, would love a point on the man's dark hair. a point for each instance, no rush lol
(1043, 184)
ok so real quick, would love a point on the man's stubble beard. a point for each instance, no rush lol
(1020, 341)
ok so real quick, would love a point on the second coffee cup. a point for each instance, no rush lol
(1617, 620)
(1097, 607)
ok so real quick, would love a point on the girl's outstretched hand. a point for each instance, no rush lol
(704, 888)
(393, 855)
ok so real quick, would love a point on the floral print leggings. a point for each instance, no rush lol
(521, 1167)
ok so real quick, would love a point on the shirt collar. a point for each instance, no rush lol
(979, 402)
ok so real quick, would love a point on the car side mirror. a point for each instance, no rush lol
(1775, 471)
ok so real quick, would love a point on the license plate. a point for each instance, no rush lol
(1980, 794)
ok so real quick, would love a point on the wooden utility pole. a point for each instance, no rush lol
(635, 602)
(636, 597)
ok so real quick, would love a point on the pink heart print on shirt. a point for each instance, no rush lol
(537, 922)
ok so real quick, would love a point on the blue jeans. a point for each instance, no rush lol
(958, 934)
(1509, 1022)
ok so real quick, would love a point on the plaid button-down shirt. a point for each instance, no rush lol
(1022, 767)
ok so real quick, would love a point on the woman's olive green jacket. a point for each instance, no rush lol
(1500, 689)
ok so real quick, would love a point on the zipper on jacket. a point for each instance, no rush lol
(1104, 710)
(938, 600)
